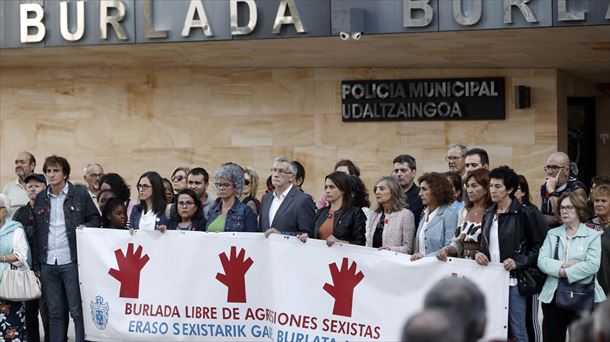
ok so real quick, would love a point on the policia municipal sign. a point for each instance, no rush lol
(430, 99)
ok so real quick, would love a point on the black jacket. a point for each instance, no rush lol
(348, 225)
(25, 216)
(521, 232)
(78, 209)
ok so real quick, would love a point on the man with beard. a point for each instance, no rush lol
(15, 191)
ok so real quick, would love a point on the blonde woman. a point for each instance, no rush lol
(392, 226)
(248, 196)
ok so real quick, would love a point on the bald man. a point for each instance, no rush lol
(16, 194)
(559, 180)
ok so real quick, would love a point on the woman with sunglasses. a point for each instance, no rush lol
(179, 179)
(190, 213)
(228, 214)
(248, 196)
(150, 213)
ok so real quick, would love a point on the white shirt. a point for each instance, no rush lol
(16, 195)
(148, 221)
(59, 248)
(422, 233)
(275, 204)
(20, 247)
(94, 198)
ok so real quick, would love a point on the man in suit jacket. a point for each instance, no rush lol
(286, 210)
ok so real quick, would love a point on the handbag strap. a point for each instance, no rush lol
(22, 262)
(557, 249)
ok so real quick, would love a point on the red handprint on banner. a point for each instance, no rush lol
(344, 282)
(128, 274)
(235, 269)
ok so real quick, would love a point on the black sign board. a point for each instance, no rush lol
(430, 99)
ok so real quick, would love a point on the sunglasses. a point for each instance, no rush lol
(178, 178)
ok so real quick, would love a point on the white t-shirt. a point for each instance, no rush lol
(494, 242)
(148, 221)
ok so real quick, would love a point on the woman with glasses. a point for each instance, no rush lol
(512, 236)
(190, 213)
(572, 253)
(248, 196)
(438, 222)
(392, 226)
(179, 179)
(228, 214)
(150, 213)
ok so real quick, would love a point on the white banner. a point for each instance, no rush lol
(188, 286)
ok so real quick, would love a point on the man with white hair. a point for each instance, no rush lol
(93, 173)
(455, 158)
(286, 210)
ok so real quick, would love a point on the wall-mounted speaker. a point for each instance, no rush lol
(522, 97)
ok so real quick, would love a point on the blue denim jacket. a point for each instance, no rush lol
(240, 218)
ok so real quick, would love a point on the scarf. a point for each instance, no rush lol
(6, 243)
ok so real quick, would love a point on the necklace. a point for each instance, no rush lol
(185, 228)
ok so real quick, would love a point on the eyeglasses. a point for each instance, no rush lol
(552, 168)
(566, 207)
(186, 204)
(223, 185)
(280, 171)
(143, 187)
(178, 178)
(247, 182)
(453, 158)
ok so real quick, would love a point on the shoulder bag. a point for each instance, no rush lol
(530, 281)
(18, 285)
(574, 296)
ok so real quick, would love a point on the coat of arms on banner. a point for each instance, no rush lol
(99, 312)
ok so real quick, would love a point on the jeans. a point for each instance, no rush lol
(516, 315)
(60, 285)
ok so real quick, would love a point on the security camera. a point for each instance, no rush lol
(344, 35)
(356, 35)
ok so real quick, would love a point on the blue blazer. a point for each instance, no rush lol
(136, 214)
(439, 231)
(294, 216)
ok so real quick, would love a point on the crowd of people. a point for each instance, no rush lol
(470, 211)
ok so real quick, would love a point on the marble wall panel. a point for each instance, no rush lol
(152, 118)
